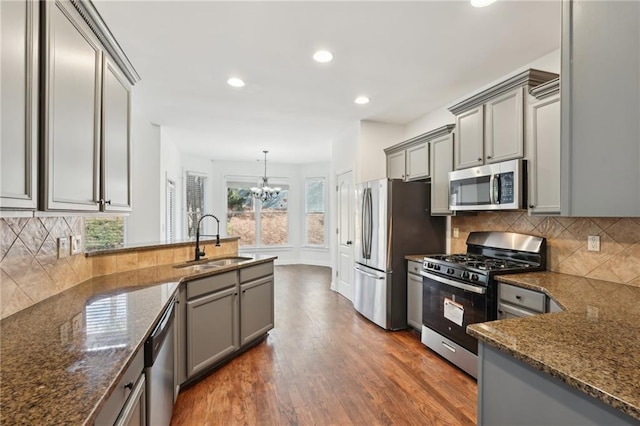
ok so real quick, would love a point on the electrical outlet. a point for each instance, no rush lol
(456, 232)
(593, 243)
(76, 244)
(63, 247)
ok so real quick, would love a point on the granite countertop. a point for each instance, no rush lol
(418, 257)
(593, 346)
(62, 357)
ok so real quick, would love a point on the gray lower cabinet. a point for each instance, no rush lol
(513, 393)
(516, 302)
(414, 295)
(256, 309)
(19, 104)
(126, 404)
(212, 321)
(219, 314)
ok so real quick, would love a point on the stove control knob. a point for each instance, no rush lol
(450, 271)
(465, 275)
(474, 277)
(436, 267)
(429, 265)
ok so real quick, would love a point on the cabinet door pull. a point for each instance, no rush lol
(531, 206)
(129, 386)
(479, 159)
(488, 157)
(518, 297)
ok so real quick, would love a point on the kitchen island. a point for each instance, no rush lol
(580, 366)
(63, 357)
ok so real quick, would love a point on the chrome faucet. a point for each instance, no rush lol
(199, 253)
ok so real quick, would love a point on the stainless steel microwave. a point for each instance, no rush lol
(499, 186)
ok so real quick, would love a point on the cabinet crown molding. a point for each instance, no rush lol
(432, 134)
(530, 77)
(92, 17)
(546, 89)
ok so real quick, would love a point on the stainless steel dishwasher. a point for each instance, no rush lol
(159, 369)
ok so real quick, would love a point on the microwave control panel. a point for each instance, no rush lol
(506, 187)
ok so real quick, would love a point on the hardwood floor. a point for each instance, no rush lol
(324, 364)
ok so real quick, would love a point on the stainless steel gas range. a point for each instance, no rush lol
(460, 289)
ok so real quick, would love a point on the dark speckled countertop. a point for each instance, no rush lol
(594, 346)
(62, 358)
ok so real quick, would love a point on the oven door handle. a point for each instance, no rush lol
(452, 283)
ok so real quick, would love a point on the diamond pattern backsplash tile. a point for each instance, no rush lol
(30, 270)
(618, 259)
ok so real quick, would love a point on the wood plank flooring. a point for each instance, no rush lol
(324, 364)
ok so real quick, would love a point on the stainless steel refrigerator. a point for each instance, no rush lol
(393, 220)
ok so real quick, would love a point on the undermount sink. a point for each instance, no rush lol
(216, 263)
(226, 261)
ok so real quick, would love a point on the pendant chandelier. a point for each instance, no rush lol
(263, 191)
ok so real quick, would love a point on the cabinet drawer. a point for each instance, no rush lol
(522, 297)
(414, 267)
(206, 285)
(254, 272)
(113, 405)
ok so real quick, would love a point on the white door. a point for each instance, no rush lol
(346, 222)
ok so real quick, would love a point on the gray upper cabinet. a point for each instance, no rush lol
(396, 165)
(490, 124)
(85, 112)
(408, 160)
(71, 134)
(19, 107)
(600, 140)
(469, 149)
(116, 143)
(543, 145)
(504, 127)
(441, 165)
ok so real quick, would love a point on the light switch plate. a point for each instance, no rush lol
(593, 243)
(456, 232)
(63, 247)
(76, 244)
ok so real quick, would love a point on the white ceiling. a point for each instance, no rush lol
(408, 57)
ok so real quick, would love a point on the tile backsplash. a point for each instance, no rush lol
(30, 270)
(618, 259)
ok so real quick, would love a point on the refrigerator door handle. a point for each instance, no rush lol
(367, 273)
(363, 221)
(369, 222)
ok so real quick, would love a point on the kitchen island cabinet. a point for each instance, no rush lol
(256, 302)
(211, 320)
(19, 109)
(579, 366)
(83, 357)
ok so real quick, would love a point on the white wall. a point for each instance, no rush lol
(441, 116)
(374, 138)
(144, 221)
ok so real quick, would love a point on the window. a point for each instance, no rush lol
(257, 224)
(104, 232)
(314, 208)
(171, 210)
(195, 196)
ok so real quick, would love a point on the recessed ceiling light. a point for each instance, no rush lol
(323, 56)
(481, 3)
(235, 82)
(361, 100)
